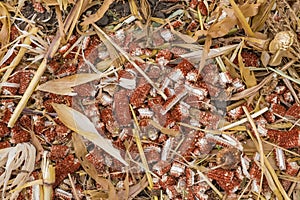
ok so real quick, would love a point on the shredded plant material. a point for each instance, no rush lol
(150, 99)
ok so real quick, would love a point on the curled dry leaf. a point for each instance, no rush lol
(64, 85)
(250, 9)
(256, 88)
(80, 124)
(280, 45)
(13, 159)
(225, 24)
(99, 14)
(247, 75)
(282, 41)
(222, 27)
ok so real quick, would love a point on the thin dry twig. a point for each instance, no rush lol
(74, 191)
(140, 148)
(293, 186)
(19, 56)
(254, 89)
(244, 119)
(50, 54)
(22, 104)
(260, 146)
(128, 57)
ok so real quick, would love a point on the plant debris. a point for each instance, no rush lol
(146, 99)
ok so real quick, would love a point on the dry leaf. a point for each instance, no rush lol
(145, 9)
(14, 159)
(167, 131)
(281, 125)
(231, 68)
(64, 85)
(259, 20)
(95, 194)
(113, 54)
(265, 58)
(81, 152)
(188, 39)
(249, 9)
(242, 18)
(259, 42)
(37, 144)
(80, 124)
(233, 17)
(196, 54)
(222, 27)
(135, 189)
(276, 59)
(133, 8)
(5, 29)
(50, 2)
(205, 52)
(252, 90)
(247, 75)
(249, 146)
(99, 14)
